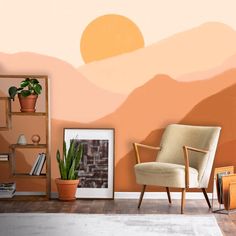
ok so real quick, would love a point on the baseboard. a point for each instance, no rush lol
(30, 193)
(159, 195)
(135, 195)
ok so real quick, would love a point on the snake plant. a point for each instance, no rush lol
(69, 163)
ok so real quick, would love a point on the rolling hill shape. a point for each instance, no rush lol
(152, 106)
(72, 95)
(219, 110)
(198, 49)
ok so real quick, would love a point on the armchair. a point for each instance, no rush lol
(184, 160)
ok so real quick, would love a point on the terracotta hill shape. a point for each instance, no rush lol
(72, 95)
(218, 109)
(152, 106)
(198, 49)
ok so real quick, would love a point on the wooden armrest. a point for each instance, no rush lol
(186, 161)
(196, 149)
(136, 145)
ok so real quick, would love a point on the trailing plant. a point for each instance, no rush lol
(27, 87)
(70, 162)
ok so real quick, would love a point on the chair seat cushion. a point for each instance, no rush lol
(165, 174)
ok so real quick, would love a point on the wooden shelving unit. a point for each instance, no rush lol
(15, 146)
(28, 114)
(45, 146)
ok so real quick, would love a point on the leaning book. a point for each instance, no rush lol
(7, 190)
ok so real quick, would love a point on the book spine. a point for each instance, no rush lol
(40, 167)
(34, 166)
(37, 165)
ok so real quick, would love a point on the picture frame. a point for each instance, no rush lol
(96, 171)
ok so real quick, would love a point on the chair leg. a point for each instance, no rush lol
(168, 194)
(141, 196)
(183, 200)
(206, 197)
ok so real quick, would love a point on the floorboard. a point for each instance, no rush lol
(227, 223)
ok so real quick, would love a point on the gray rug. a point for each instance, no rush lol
(22, 224)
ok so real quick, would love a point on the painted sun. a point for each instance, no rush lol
(108, 36)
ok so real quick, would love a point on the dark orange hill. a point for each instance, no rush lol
(219, 109)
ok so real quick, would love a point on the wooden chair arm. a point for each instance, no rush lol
(186, 161)
(136, 145)
(196, 149)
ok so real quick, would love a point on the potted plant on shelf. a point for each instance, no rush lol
(28, 93)
(68, 166)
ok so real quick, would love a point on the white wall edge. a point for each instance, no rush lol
(30, 193)
(134, 195)
(160, 195)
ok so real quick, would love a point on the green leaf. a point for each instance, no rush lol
(79, 155)
(24, 83)
(34, 81)
(37, 88)
(70, 161)
(58, 157)
(70, 155)
(76, 176)
(64, 149)
(71, 173)
(12, 92)
(25, 93)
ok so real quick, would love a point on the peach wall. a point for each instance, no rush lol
(185, 73)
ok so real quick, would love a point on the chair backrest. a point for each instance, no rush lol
(176, 136)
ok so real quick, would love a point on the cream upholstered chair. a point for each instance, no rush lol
(185, 158)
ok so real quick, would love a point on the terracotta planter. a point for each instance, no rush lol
(67, 189)
(27, 103)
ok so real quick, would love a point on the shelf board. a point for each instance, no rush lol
(26, 175)
(18, 113)
(14, 146)
(24, 76)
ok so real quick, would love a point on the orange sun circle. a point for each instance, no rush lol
(108, 36)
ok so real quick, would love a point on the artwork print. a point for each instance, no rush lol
(96, 170)
(93, 170)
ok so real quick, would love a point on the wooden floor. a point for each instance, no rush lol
(227, 223)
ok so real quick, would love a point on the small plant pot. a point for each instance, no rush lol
(67, 189)
(28, 103)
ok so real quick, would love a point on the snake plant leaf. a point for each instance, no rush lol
(70, 155)
(76, 175)
(61, 166)
(71, 173)
(70, 161)
(63, 171)
(64, 149)
(58, 157)
(79, 155)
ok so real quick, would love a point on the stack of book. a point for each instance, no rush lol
(38, 164)
(4, 156)
(7, 190)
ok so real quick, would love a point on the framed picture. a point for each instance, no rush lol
(96, 171)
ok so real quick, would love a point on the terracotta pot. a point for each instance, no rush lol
(67, 189)
(27, 103)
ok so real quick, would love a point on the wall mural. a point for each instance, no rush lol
(133, 71)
